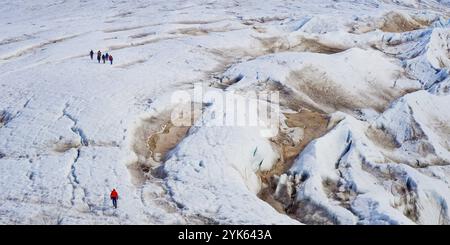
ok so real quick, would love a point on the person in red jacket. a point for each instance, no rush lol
(111, 59)
(114, 196)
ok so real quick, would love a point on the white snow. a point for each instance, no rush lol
(72, 129)
(351, 79)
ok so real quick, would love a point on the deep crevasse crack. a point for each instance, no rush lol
(77, 130)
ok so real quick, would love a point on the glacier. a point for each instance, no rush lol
(363, 134)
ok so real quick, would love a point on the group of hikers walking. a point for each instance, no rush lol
(104, 57)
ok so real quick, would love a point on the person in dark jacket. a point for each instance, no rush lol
(103, 58)
(99, 56)
(114, 196)
(91, 54)
(107, 56)
(111, 59)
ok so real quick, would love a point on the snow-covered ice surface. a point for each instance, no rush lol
(375, 72)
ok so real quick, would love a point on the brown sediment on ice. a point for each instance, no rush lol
(313, 125)
(398, 22)
(154, 138)
(162, 142)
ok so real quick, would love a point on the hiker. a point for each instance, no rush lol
(103, 58)
(91, 54)
(114, 196)
(111, 59)
(107, 56)
(99, 56)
